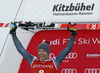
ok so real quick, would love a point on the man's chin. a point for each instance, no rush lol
(42, 59)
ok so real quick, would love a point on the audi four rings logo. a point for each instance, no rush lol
(69, 70)
(92, 70)
(69, 56)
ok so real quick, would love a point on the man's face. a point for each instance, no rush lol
(43, 55)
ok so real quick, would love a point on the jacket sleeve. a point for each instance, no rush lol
(58, 59)
(21, 49)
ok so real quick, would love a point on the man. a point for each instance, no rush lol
(44, 64)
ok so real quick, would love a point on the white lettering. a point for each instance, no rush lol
(42, 66)
(77, 41)
(93, 55)
(84, 41)
(80, 41)
(64, 41)
(96, 40)
(55, 42)
(93, 26)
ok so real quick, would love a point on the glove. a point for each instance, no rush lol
(72, 30)
(13, 29)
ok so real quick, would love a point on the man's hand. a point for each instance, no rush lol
(72, 30)
(13, 29)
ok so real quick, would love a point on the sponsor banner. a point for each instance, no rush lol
(62, 11)
(83, 58)
(88, 26)
(50, 10)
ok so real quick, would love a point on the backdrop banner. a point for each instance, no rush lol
(50, 10)
(83, 58)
